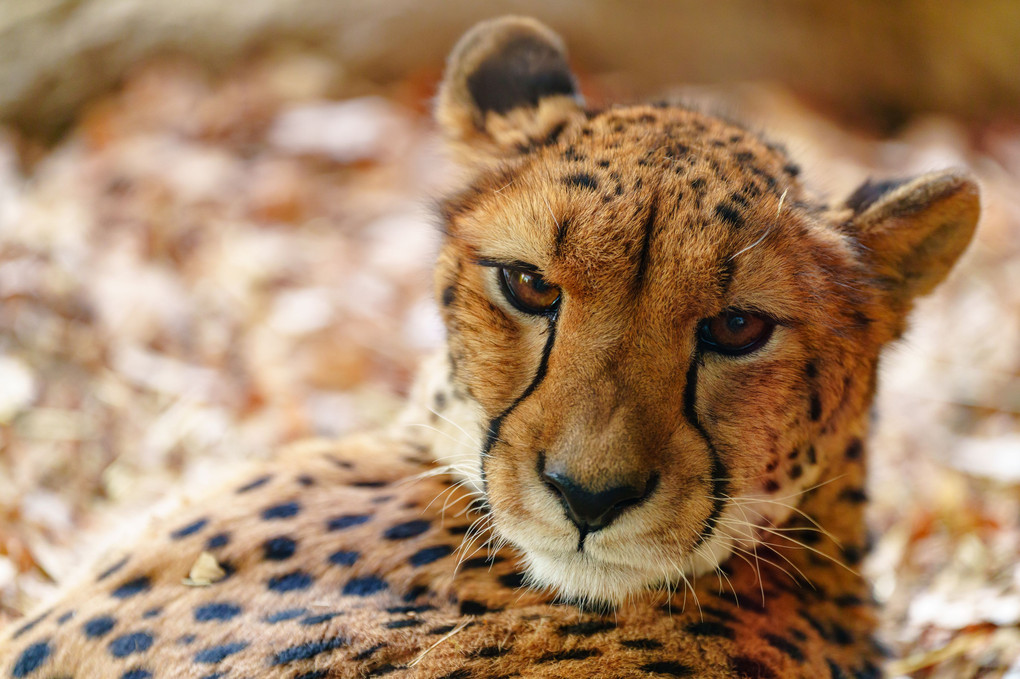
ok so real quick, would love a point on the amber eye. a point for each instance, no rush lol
(528, 291)
(735, 332)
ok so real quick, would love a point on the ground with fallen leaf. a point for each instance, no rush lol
(204, 269)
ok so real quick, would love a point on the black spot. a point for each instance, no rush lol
(512, 580)
(835, 671)
(279, 548)
(854, 450)
(729, 214)
(749, 668)
(642, 644)
(308, 650)
(410, 529)
(112, 569)
(710, 628)
(97, 627)
(290, 582)
(670, 669)
(784, 645)
(525, 71)
(215, 654)
(841, 635)
(854, 495)
(698, 185)
(771, 486)
(370, 484)
(217, 541)
(471, 607)
(796, 471)
(442, 629)
(386, 668)
(719, 613)
(430, 554)
(571, 654)
(480, 562)
(136, 673)
(281, 511)
(586, 628)
(132, 587)
(868, 671)
(318, 619)
(410, 609)
(812, 455)
(415, 592)
(365, 586)
(65, 617)
(400, 624)
(152, 612)
(186, 639)
(457, 674)
(347, 521)
(31, 658)
(284, 615)
(743, 156)
(190, 529)
(343, 558)
(603, 163)
(368, 652)
(449, 294)
(28, 626)
(816, 407)
(136, 642)
(791, 169)
(217, 611)
(257, 483)
(582, 180)
(306, 480)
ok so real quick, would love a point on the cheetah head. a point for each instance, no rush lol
(656, 336)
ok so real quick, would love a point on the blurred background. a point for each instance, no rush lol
(216, 236)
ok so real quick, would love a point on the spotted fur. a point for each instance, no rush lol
(442, 551)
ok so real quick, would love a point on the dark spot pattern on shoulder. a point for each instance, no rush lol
(290, 582)
(31, 659)
(279, 548)
(132, 587)
(218, 611)
(285, 510)
(256, 483)
(190, 529)
(569, 654)
(430, 554)
(128, 644)
(344, 557)
(347, 521)
(642, 644)
(308, 650)
(581, 180)
(709, 628)
(365, 586)
(217, 541)
(586, 628)
(408, 529)
(216, 654)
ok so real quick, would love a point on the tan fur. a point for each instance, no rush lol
(741, 562)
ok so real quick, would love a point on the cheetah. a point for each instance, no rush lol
(646, 455)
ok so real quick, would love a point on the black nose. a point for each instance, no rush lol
(591, 511)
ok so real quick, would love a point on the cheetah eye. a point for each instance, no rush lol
(735, 332)
(528, 291)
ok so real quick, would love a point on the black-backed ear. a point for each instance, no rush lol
(914, 230)
(506, 88)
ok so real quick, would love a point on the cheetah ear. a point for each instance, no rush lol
(915, 229)
(506, 88)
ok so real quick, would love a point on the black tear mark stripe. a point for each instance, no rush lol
(646, 244)
(718, 471)
(496, 424)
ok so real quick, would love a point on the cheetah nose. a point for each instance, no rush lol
(593, 510)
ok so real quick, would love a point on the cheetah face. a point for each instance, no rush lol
(655, 331)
